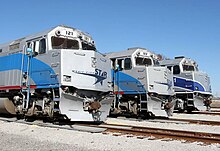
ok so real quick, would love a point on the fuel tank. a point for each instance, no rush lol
(6, 106)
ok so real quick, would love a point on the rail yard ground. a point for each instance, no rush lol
(216, 103)
(22, 137)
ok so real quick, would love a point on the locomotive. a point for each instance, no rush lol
(192, 87)
(57, 74)
(141, 86)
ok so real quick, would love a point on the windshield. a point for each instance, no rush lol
(64, 43)
(86, 46)
(188, 68)
(143, 61)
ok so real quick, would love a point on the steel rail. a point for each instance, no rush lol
(209, 113)
(201, 112)
(194, 121)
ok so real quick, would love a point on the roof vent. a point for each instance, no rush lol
(133, 48)
(179, 57)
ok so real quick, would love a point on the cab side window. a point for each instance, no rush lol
(120, 61)
(113, 63)
(176, 69)
(42, 46)
(31, 45)
(170, 68)
(127, 64)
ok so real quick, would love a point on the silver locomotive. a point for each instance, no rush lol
(141, 86)
(57, 73)
(192, 87)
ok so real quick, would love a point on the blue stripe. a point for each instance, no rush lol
(127, 83)
(188, 84)
(41, 73)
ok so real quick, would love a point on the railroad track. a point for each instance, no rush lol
(139, 131)
(161, 133)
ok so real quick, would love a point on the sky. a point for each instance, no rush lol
(170, 27)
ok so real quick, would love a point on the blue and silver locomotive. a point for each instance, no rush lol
(192, 87)
(141, 86)
(56, 73)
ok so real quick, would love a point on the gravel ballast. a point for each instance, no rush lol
(22, 137)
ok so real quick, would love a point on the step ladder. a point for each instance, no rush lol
(190, 102)
(143, 103)
(25, 77)
(56, 100)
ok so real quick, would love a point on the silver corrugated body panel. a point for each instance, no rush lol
(186, 75)
(12, 78)
(203, 79)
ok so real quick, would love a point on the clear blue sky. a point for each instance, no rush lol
(171, 27)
